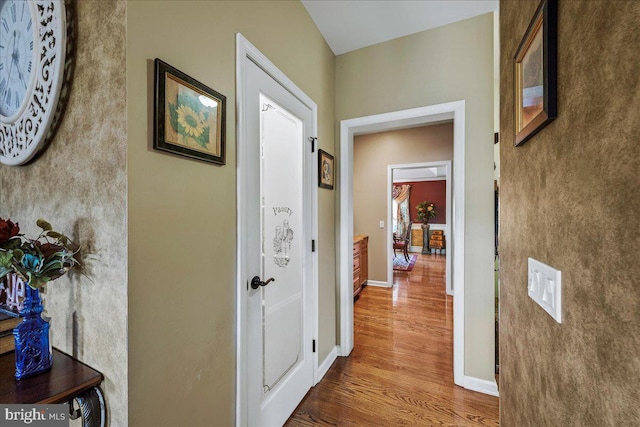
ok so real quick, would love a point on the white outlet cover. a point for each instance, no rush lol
(381, 224)
(545, 287)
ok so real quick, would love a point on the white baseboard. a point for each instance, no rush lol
(378, 283)
(415, 249)
(326, 364)
(340, 353)
(481, 386)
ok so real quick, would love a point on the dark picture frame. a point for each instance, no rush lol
(535, 72)
(189, 117)
(326, 170)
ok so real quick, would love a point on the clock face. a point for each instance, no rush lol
(16, 54)
(36, 59)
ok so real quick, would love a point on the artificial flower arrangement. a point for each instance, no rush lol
(36, 261)
(426, 211)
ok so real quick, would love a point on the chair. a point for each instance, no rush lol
(402, 243)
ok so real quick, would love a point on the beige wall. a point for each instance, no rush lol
(371, 155)
(78, 184)
(570, 198)
(182, 213)
(445, 64)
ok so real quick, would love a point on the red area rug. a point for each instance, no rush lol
(401, 264)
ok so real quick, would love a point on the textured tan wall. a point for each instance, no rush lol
(78, 184)
(371, 155)
(570, 197)
(445, 64)
(182, 228)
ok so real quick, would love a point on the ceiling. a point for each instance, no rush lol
(352, 24)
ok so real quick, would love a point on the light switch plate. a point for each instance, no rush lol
(545, 288)
(381, 224)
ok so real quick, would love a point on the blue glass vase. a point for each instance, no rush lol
(33, 351)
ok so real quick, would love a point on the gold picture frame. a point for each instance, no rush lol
(189, 117)
(535, 67)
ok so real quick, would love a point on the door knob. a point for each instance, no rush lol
(256, 282)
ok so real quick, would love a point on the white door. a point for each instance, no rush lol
(277, 247)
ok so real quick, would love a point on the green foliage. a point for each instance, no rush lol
(11, 243)
(173, 117)
(40, 260)
(4, 271)
(5, 260)
(44, 225)
(426, 210)
(55, 234)
(18, 254)
(203, 140)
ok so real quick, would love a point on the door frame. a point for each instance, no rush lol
(245, 51)
(384, 122)
(448, 216)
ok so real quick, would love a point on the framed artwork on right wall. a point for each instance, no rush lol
(535, 66)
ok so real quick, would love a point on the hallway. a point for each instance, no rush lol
(401, 369)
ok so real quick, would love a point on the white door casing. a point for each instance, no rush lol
(455, 248)
(276, 225)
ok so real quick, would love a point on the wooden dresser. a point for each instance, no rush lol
(360, 263)
(437, 240)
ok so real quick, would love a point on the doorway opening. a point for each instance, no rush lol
(389, 121)
(441, 170)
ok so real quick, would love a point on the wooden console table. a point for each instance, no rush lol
(68, 380)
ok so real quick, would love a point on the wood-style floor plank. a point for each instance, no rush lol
(401, 369)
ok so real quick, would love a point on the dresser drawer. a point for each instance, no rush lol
(356, 279)
(437, 237)
(436, 243)
(356, 262)
(356, 248)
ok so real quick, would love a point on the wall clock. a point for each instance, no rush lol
(35, 68)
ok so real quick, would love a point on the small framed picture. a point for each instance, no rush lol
(536, 73)
(325, 170)
(189, 117)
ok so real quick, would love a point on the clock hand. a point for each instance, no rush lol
(13, 53)
(14, 50)
(6, 88)
(15, 57)
(20, 75)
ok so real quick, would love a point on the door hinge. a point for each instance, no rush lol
(496, 138)
(313, 140)
(314, 346)
(313, 246)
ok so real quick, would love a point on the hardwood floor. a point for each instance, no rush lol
(401, 369)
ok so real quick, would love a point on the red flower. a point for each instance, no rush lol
(8, 230)
(48, 249)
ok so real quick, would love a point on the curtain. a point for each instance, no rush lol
(401, 198)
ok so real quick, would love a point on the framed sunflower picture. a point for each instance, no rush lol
(189, 117)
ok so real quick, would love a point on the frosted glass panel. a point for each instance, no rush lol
(282, 137)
